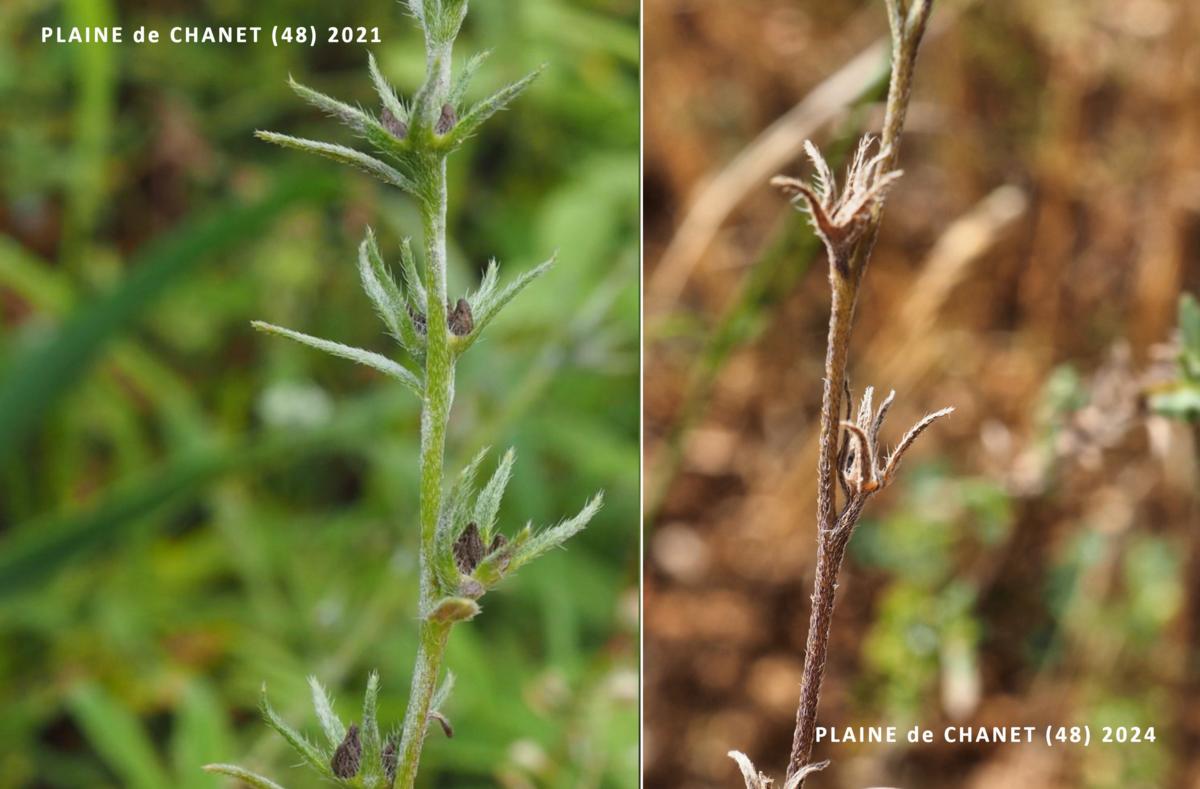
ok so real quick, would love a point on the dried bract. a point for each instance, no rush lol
(841, 216)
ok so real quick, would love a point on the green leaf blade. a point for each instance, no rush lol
(353, 117)
(475, 117)
(300, 744)
(469, 69)
(364, 357)
(387, 94)
(253, 780)
(371, 742)
(487, 505)
(387, 297)
(553, 537)
(342, 154)
(490, 307)
(331, 724)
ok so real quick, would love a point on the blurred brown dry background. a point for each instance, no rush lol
(1039, 562)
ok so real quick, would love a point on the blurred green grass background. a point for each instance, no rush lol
(189, 510)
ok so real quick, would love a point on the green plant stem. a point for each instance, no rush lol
(435, 415)
(425, 676)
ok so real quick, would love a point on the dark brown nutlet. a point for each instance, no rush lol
(418, 320)
(498, 542)
(389, 759)
(460, 320)
(348, 756)
(468, 549)
(396, 127)
(446, 120)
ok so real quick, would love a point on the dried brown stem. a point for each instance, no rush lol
(830, 552)
(847, 265)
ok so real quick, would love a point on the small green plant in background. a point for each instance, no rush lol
(463, 554)
(1180, 398)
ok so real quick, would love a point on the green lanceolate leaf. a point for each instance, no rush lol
(387, 297)
(370, 721)
(487, 505)
(353, 117)
(487, 285)
(460, 495)
(387, 94)
(414, 284)
(364, 357)
(340, 153)
(310, 753)
(473, 118)
(550, 538)
(331, 724)
(490, 307)
(253, 780)
(469, 69)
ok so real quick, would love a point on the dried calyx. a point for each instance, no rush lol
(459, 319)
(862, 467)
(841, 216)
(756, 780)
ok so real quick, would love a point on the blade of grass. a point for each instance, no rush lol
(35, 552)
(95, 71)
(36, 379)
(118, 736)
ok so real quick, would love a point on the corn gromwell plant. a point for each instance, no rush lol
(850, 457)
(463, 553)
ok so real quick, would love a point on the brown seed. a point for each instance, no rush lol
(468, 549)
(389, 759)
(418, 319)
(460, 320)
(348, 756)
(447, 119)
(397, 127)
(498, 542)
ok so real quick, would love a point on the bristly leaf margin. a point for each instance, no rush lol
(364, 357)
(340, 153)
(475, 117)
(253, 780)
(554, 536)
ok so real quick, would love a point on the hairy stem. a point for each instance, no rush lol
(435, 414)
(837, 352)
(833, 532)
(829, 561)
(425, 678)
(907, 33)
(831, 545)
